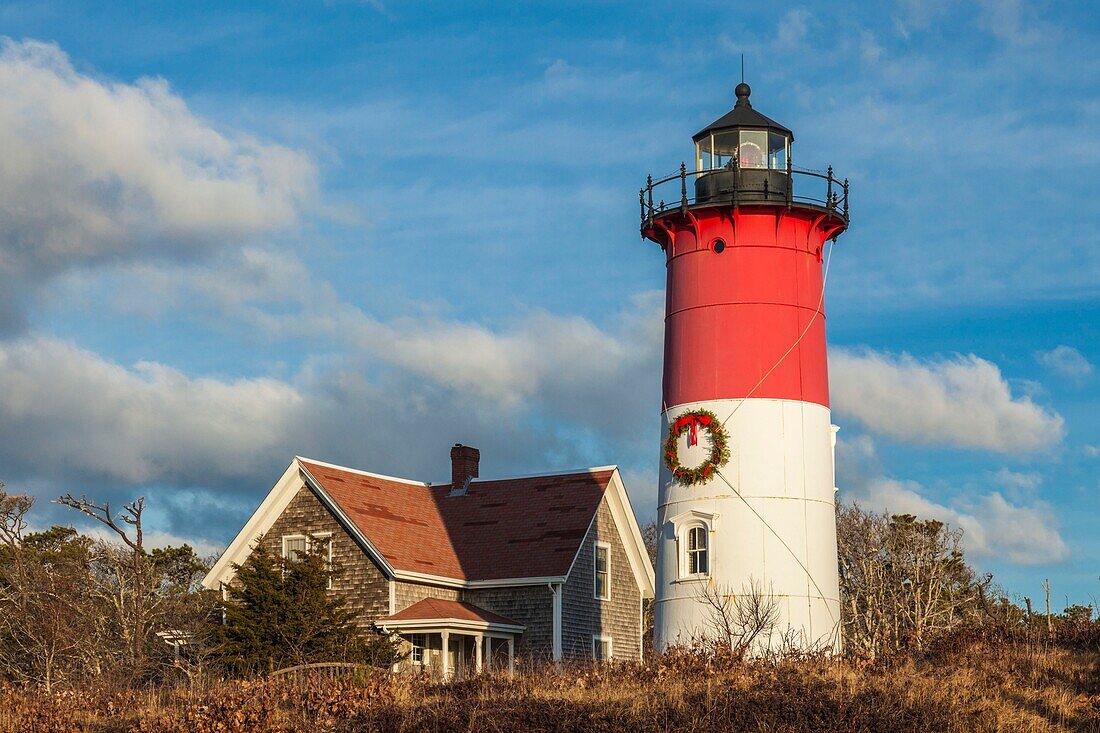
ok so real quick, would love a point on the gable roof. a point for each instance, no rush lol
(510, 528)
(500, 532)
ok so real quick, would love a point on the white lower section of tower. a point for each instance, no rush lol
(770, 525)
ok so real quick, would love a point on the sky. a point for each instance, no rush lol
(233, 233)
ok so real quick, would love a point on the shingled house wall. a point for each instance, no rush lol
(530, 605)
(360, 581)
(584, 616)
(406, 594)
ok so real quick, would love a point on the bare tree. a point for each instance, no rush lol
(740, 620)
(13, 516)
(43, 600)
(127, 570)
(902, 580)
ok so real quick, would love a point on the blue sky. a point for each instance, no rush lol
(362, 231)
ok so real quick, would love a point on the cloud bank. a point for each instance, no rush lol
(71, 415)
(1018, 528)
(96, 171)
(962, 401)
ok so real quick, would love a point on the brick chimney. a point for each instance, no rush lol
(464, 462)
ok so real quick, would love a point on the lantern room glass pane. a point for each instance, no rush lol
(777, 151)
(725, 147)
(752, 151)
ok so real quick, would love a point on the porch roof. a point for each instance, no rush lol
(438, 613)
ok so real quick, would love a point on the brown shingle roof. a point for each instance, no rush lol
(435, 608)
(511, 528)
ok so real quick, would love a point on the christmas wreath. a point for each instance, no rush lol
(719, 446)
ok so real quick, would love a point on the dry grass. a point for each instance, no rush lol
(976, 686)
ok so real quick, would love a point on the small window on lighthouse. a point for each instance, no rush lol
(697, 559)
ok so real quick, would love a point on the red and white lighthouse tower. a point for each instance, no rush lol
(746, 496)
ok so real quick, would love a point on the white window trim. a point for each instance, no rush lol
(424, 651)
(596, 641)
(309, 540)
(681, 523)
(294, 537)
(685, 555)
(596, 547)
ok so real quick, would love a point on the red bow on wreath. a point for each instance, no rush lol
(693, 422)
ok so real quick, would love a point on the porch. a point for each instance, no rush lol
(453, 639)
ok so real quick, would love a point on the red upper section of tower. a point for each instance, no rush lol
(731, 317)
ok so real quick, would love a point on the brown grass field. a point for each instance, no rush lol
(975, 686)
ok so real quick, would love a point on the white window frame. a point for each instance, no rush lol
(422, 648)
(596, 547)
(681, 525)
(686, 570)
(597, 640)
(308, 542)
(294, 537)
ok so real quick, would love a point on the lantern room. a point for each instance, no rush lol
(741, 159)
(744, 141)
(755, 141)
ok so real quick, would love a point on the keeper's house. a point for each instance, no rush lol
(542, 567)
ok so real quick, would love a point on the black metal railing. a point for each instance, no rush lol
(733, 186)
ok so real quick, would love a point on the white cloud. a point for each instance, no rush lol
(97, 171)
(993, 527)
(154, 539)
(565, 364)
(962, 401)
(1014, 22)
(919, 14)
(545, 393)
(69, 414)
(870, 51)
(1067, 361)
(1019, 528)
(793, 28)
(1018, 480)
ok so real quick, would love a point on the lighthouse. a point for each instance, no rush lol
(746, 502)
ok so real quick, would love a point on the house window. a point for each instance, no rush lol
(697, 551)
(602, 585)
(295, 547)
(419, 642)
(601, 648)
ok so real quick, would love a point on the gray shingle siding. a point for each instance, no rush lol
(584, 616)
(406, 594)
(530, 605)
(360, 581)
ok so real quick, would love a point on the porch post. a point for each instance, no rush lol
(445, 665)
(511, 654)
(479, 643)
